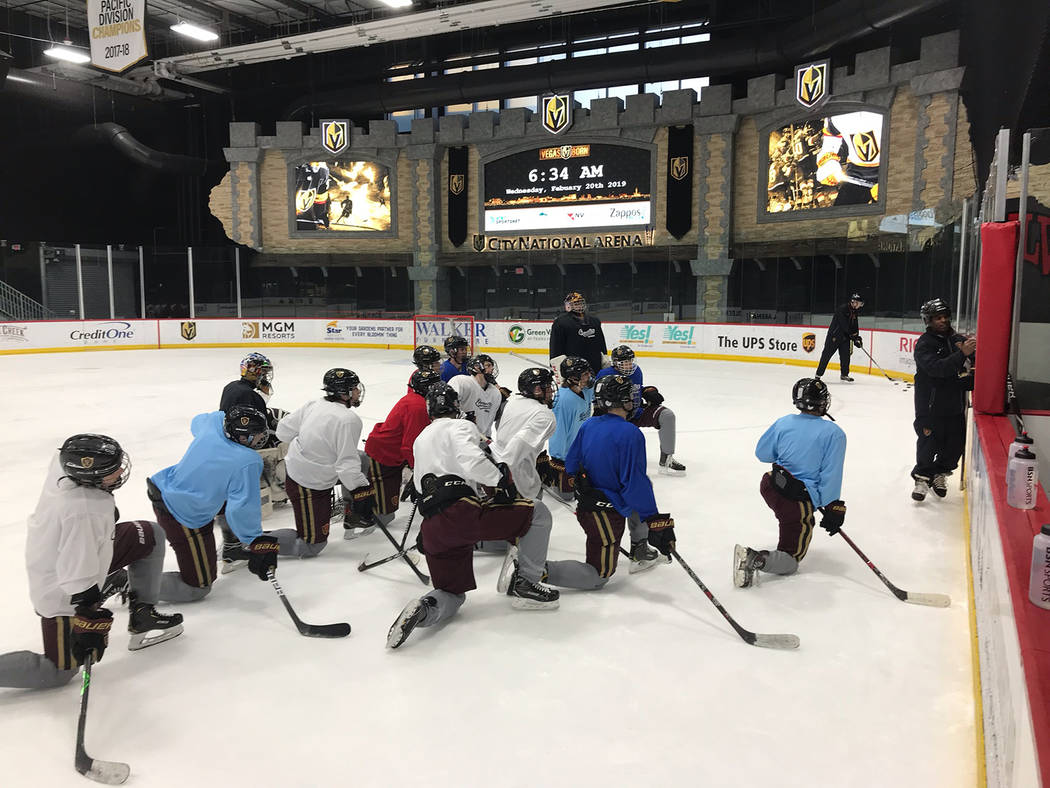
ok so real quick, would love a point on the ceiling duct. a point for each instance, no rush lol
(121, 139)
(840, 24)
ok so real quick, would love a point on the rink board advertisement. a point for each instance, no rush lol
(800, 345)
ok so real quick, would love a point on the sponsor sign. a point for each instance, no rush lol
(635, 334)
(523, 243)
(118, 39)
(684, 336)
(268, 329)
(516, 334)
(104, 331)
(13, 334)
(809, 341)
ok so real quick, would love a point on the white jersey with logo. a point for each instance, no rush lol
(862, 134)
(322, 441)
(522, 434)
(482, 402)
(69, 544)
(452, 447)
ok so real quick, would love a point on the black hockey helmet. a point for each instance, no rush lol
(247, 426)
(425, 356)
(614, 391)
(456, 342)
(340, 381)
(88, 459)
(858, 298)
(934, 307)
(811, 395)
(623, 359)
(573, 368)
(422, 380)
(485, 364)
(257, 368)
(537, 383)
(575, 302)
(442, 400)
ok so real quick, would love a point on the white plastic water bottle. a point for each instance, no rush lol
(1022, 477)
(1039, 581)
(1022, 441)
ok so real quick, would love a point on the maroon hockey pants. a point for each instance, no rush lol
(312, 510)
(795, 518)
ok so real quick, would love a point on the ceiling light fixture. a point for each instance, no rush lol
(398, 3)
(68, 52)
(193, 31)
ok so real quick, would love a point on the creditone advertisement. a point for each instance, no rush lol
(800, 345)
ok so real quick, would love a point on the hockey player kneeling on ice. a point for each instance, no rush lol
(572, 407)
(612, 493)
(807, 455)
(649, 409)
(451, 468)
(75, 555)
(479, 394)
(387, 451)
(220, 468)
(322, 439)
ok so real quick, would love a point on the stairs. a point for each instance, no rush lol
(16, 305)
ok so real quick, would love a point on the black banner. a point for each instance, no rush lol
(679, 180)
(457, 195)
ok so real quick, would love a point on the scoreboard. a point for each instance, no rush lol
(569, 187)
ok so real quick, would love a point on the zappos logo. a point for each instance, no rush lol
(516, 334)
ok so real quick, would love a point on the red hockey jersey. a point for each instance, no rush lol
(390, 442)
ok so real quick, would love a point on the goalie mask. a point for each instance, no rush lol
(575, 302)
(89, 459)
(257, 368)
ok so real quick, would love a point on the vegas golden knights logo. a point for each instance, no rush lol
(479, 243)
(87, 462)
(867, 147)
(556, 112)
(455, 183)
(244, 421)
(679, 167)
(335, 135)
(809, 342)
(811, 84)
(188, 329)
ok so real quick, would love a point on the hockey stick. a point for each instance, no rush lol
(401, 551)
(310, 630)
(532, 361)
(108, 772)
(894, 381)
(931, 600)
(424, 579)
(754, 638)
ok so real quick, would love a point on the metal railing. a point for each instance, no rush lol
(16, 305)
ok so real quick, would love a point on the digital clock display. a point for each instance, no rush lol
(569, 187)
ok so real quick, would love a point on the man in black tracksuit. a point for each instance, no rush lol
(578, 334)
(943, 375)
(842, 331)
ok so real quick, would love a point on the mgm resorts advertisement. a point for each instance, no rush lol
(569, 187)
(825, 163)
(342, 197)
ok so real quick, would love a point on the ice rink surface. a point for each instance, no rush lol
(642, 683)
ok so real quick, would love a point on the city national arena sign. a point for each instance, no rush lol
(536, 243)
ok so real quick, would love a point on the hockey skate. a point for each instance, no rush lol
(234, 556)
(116, 583)
(526, 595)
(669, 466)
(940, 484)
(148, 627)
(845, 378)
(507, 571)
(745, 563)
(355, 526)
(922, 486)
(413, 615)
(643, 557)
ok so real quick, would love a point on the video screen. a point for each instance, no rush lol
(825, 163)
(566, 187)
(342, 196)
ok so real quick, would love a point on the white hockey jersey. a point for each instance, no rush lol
(322, 441)
(69, 544)
(482, 402)
(453, 447)
(522, 434)
(862, 134)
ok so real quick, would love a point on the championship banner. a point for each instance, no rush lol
(679, 180)
(118, 33)
(457, 195)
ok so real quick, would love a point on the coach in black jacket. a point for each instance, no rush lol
(943, 375)
(842, 331)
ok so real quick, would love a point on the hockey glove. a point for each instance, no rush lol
(506, 492)
(652, 396)
(471, 416)
(363, 501)
(661, 533)
(858, 341)
(90, 626)
(834, 516)
(504, 392)
(263, 559)
(409, 493)
(546, 470)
